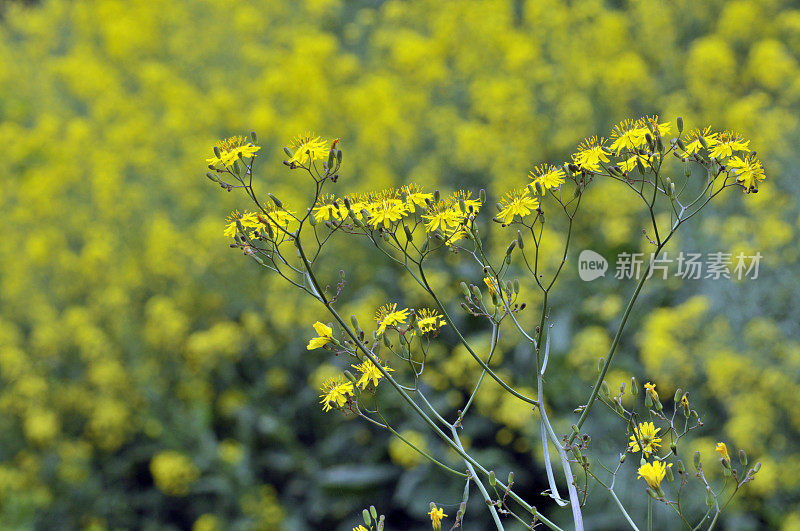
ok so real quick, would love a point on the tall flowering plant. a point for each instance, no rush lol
(675, 175)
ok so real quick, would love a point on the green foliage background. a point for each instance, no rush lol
(151, 378)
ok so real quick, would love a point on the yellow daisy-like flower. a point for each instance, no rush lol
(549, 176)
(279, 215)
(693, 144)
(436, 517)
(629, 164)
(325, 336)
(651, 389)
(387, 211)
(663, 129)
(439, 216)
(653, 473)
(722, 449)
(685, 401)
(455, 199)
(516, 203)
(591, 152)
(389, 315)
(360, 528)
(728, 143)
(307, 148)
(430, 320)
(627, 135)
(369, 373)
(327, 207)
(335, 391)
(416, 197)
(749, 171)
(646, 433)
(229, 150)
(249, 220)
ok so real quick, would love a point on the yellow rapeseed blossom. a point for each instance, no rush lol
(173, 472)
(646, 433)
(369, 373)
(722, 449)
(307, 148)
(335, 391)
(728, 142)
(429, 320)
(389, 315)
(653, 473)
(230, 149)
(325, 336)
(749, 171)
(516, 203)
(436, 517)
(549, 176)
(591, 152)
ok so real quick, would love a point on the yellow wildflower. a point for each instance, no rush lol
(516, 203)
(694, 145)
(749, 171)
(369, 373)
(335, 391)
(327, 207)
(436, 517)
(360, 528)
(416, 197)
(728, 142)
(651, 389)
(387, 211)
(685, 401)
(491, 284)
(549, 176)
(388, 315)
(663, 129)
(646, 433)
(308, 148)
(325, 336)
(429, 320)
(722, 449)
(229, 150)
(627, 135)
(591, 152)
(249, 220)
(653, 473)
(439, 216)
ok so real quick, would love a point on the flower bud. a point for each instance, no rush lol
(640, 166)
(696, 459)
(212, 177)
(476, 292)
(520, 241)
(482, 195)
(510, 478)
(511, 247)
(349, 376)
(680, 125)
(743, 457)
(516, 286)
(669, 475)
(600, 364)
(604, 389)
(436, 195)
(367, 519)
(312, 219)
(216, 152)
(354, 322)
(678, 395)
(339, 156)
(681, 145)
(372, 511)
(407, 230)
(465, 289)
(634, 386)
(492, 479)
(709, 497)
(703, 141)
(539, 188)
(288, 152)
(276, 201)
(757, 467)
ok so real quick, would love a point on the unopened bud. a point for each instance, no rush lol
(312, 219)
(492, 479)
(757, 467)
(743, 457)
(276, 201)
(349, 376)
(669, 475)
(680, 125)
(288, 152)
(465, 289)
(605, 389)
(354, 322)
(482, 195)
(703, 141)
(640, 166)
(212, 177)
(511, 247)
(510, 478)
(339, 156)
(709, 497)
(634, 386)
(367, 518)
(516, 286)
(408, 232)
(696, 460)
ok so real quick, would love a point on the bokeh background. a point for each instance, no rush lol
(151, 378)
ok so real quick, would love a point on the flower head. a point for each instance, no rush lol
(627, 135)
(415, 196)
(491, 284)
(436, 517)
(651, 390)
(430, 320)
(646, 434)
(662, 129)
(369, 373)
(727, 143)
(653, 473)
(387, 211)
(749, 171)
(335, 391)
(249, 220)
(516, 203)
(591, 152)
(693, 144)
(307, 148)
(389, 315)
(327, 207)
(325, 336)
(227, 151)
(550, 177)
(722, 450)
